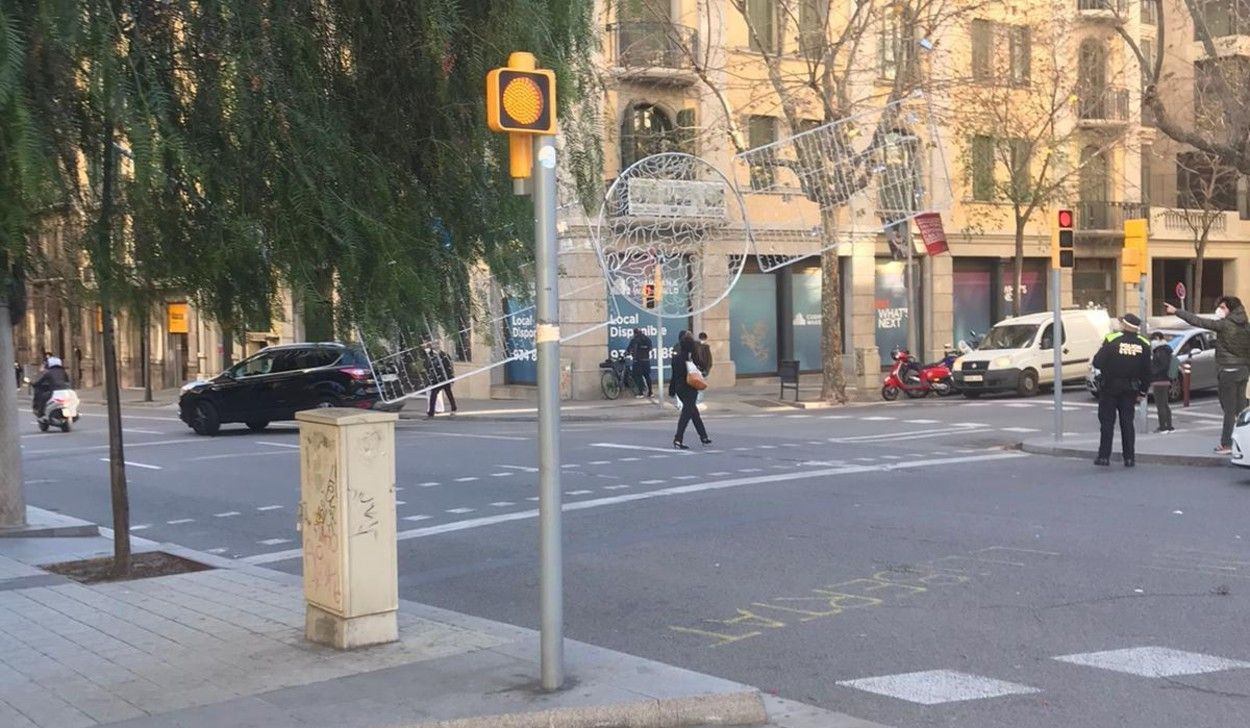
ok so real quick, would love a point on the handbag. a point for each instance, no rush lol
(694, 378)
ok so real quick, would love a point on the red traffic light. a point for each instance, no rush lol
(648, 295)
(1065, 218)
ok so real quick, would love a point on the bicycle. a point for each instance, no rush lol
(615, 377)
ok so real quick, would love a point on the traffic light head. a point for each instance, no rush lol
(521, 101)
(1065, 219)
(648, 295)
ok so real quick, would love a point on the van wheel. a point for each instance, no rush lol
(1029, 386)
(205, 420)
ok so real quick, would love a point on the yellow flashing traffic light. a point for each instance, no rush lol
(521, 101)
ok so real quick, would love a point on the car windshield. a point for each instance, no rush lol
(1011, 336)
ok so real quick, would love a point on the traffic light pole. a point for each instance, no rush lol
(1056, 280)
(547, 341)
(659, 331)
(1145, 331)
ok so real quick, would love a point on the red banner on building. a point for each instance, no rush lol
(931, 231)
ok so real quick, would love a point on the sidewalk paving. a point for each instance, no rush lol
(225, 647)
(1177, 448)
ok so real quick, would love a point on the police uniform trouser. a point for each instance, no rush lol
(1119, 401)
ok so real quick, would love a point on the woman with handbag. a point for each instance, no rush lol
(685, 384)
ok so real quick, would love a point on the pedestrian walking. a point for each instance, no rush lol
(1164, 369)
(439, 370)
(1232, 356)
(17, 370)
(703, 360)
(1124, 360)
(640, 348)
(682, 385)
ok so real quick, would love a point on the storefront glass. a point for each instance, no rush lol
(807, 321)
(518, 336)
(753, 324)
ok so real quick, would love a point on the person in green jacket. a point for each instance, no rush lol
(1232, 356)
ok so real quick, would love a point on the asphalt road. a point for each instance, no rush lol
(895, 562)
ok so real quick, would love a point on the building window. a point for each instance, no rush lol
(896, 50)
(982, 168)
(645, 130)
(1020, 54)
(982, 51)
(1202, 183)
(813, 19)
(1223, 18)
(762, 131)
(1021, 158)
(762, 18)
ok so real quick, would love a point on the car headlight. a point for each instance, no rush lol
(1001, 362)
(1243, 419)
(191, 385)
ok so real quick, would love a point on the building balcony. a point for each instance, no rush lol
(653, 52)
(1102, 107)
(1107, 218)
(1107, 11)
(1190, 220)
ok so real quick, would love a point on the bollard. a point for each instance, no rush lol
(347, 519)
(1185, 376)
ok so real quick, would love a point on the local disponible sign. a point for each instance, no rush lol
(932, 232)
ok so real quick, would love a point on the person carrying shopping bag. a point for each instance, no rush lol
(686, 383)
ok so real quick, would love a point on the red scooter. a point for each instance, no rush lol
(917, 381)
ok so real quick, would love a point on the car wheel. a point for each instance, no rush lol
(325, 403)
(205, 420)
(1029, 385)
(257, 425)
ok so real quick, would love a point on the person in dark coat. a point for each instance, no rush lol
(1162, 363)
(54, 377)
(440, 372)
(678, 387)
(1124, 360)
(640, 348)
(1232, 356)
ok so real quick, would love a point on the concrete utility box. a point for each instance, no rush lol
(347, 517)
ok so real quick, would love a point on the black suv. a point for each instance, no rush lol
(277, 382)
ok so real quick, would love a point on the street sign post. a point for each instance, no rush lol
(1180, 293)
(520, 100)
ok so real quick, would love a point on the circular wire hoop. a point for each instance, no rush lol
(672, 235)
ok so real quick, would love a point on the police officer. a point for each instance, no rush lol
(1124, 361)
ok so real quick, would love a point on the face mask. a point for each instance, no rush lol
(1220, 313)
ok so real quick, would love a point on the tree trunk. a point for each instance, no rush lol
(1200, 256)
(12, 495)
(833, 378)
(227, 346)
(145, 352)
(1018, 271)
(117, 458)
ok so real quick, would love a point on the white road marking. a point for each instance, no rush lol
(532, 498)
(749, 470)
(226, 514)
(416, 518)
(676, 490)
(628, 460)
(1018, 404)
(133, 464)
(934, 687)
(501, 475)
(907, 435)
(233, 455)
(1018, 429)
(460, 510)
(615, 487)
(892, 457)
(577, 492)
(177, 521)
(274, 541)
(503, 504)
(140, 527)
(218, 550)
(129, 446)
(133, 417)
(921, 422)
(768, 447)
(290, 445)
(866, 460)
(434, 433)
(619, 446)
(837, 417)
(685, 477)
(401, 503)
(1154, 662)
(268, 508)
(658, 457)
(789, 444)
(718, 473)
(600, 462)
(522, 468)
(466, 479)
(41, 481)
(429, 484)
(741, 449)
(650, 482)
(797, 417)
(815, 442)
(136, 431)
(571, 465)
(876, 418)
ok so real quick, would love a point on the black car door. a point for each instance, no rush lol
(313, 380)
(241, 397)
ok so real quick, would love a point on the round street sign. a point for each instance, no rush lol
(1180, 290)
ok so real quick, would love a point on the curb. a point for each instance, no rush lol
(740, 708)
(50, 524)
(1069, 451)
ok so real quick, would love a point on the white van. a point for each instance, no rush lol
(1018, 355)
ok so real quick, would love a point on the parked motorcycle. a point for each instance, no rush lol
(916, 381)
(60, 411)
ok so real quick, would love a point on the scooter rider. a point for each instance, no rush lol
(54, 377)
